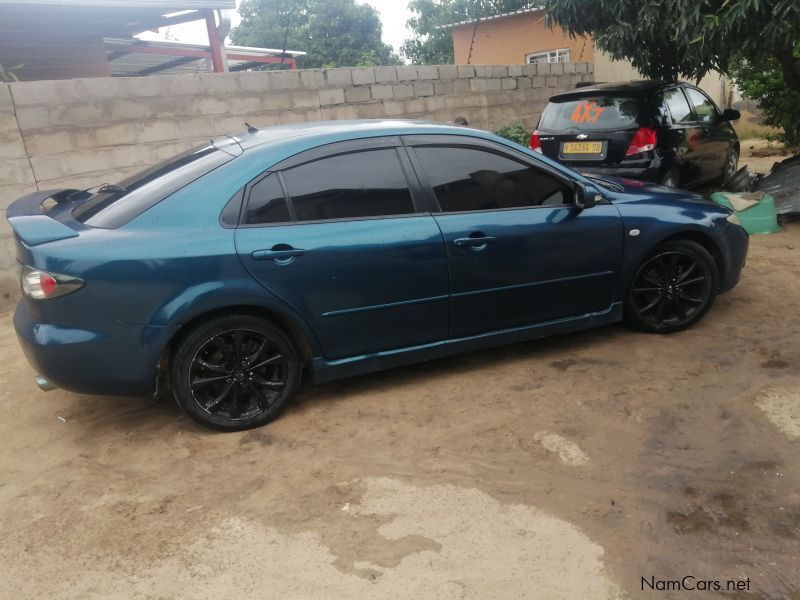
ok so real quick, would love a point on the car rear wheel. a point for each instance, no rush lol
(731, 165)
(673, 288)
(235, 372)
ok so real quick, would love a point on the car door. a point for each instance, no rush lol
(711, 147)
(519, 251)
(339, 235)
(682, 136)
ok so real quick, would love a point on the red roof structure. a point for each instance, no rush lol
(64, 39)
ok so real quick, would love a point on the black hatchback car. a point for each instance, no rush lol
(667, 133)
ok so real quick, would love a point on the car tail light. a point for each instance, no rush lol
(644, 140)
(41, 285)
(535, 144)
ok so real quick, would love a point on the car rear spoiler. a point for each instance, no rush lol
(32, 225)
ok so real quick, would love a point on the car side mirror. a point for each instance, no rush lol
(730, 114)
(585, 197)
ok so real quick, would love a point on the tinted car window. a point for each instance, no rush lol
(679, 108)
(361, 184)
(591, 113)
(113, 206)
(267, 203)
(704, 108)
(466, 179)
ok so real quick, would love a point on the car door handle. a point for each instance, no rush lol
(278, 254)
(477, 242)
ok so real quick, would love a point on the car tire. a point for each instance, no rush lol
(673, 288)
(235, 372)
(671, 179)
(731, 166)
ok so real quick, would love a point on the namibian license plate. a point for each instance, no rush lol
(582, 148)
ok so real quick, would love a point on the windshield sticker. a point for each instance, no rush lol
(587, 112)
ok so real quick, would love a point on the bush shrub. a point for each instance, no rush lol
(515, 133)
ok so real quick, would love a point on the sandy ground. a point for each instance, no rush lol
(761, 164)
(565, 468)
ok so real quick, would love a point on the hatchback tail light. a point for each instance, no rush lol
(41, 285)
(644, 140)
(535, 144)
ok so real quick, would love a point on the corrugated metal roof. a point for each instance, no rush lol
(524, 11)
(138, 58)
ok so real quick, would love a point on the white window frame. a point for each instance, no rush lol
(548, 56)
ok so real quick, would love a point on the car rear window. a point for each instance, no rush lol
(114, 205)
(591, 113)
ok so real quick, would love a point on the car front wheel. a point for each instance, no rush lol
(235, 372)
(673, 288)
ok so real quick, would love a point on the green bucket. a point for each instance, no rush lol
(760, 217)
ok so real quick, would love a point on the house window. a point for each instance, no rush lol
(550, 56)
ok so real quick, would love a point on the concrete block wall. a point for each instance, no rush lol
(82, 132)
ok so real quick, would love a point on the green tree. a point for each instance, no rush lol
(674, 38)
(334, 33)
(433, 46)
(764, 83)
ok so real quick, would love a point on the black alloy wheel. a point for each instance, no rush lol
(673, 288)
(235, 372)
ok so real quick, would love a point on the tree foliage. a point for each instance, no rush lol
(334, 33)
(516, 133)
(764, 83)
(667, 39)
(432, 46)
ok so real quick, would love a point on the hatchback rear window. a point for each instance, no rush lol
(112, 206)
(591, 113)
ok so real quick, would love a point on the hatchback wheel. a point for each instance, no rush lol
(235, 372)
(731, 165)
(673, 288)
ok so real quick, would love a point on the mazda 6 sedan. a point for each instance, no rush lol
(343, 248)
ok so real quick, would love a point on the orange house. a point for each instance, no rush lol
(520, 37)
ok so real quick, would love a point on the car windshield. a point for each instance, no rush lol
(114, 205)
(591, 113)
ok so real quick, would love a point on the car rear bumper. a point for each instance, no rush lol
(111, 358)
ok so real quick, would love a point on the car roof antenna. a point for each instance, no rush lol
(250, 128)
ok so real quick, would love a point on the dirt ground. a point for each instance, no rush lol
(570, 467)
(760, 155)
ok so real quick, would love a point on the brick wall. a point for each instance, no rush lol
(82, 132)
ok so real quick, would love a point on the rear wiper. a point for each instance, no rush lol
(103, 188)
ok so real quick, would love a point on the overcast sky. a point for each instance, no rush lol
(394, 14)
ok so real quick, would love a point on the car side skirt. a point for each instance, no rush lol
(323, 370)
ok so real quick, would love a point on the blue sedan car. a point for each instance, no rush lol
(343, 248)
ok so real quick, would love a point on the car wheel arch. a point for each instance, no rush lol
(699, 237)
(695, 235)
(300, 337)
